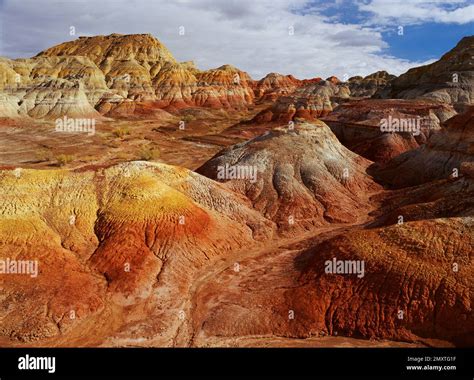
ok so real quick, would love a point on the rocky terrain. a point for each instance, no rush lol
(115, 75)
(357, 124)
(309, 101)
(448, 153)
(449, 79)
(303, 177)
(204, 208)
(369, 85)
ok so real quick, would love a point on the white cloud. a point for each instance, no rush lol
(252, 35)
(406, 12)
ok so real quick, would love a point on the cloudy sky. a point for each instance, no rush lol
(306, 38)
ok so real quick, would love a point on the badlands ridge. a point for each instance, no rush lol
(141, 241)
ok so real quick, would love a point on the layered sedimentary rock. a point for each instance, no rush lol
(119, 75)
(310, 101)
(369, 85)
(410, 288)
(300, 178)
(432, 200)
(448, 153)
(128, 62)
(333, 80)
(8, 106)
(407, 276)
(53, 86)
(140, 68)
(224, 87)
(382, 129)
(147, 254)
(403, 282)
(450, 79)
(417, 278)
(274, 85)
(110, 234)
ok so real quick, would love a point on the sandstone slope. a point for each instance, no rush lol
(369, 85)
(304, 177)
(108, 239)
(117, 75)
(357, 124)
(448, 153)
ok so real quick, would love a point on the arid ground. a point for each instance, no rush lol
(145, 202)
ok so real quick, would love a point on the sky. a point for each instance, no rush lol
(306, 38)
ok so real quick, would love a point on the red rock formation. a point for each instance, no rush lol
(274, 85)
(148, 254)
(409, 288)
(224, 87)
(310, 101)
(405, 290)
(357, 124)
(333, 80)
(369, 85)
(441, 157)
(303, 177)
(114, 234)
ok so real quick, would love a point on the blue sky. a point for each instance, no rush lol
(426, 41)
(342, 37)
(421, 40)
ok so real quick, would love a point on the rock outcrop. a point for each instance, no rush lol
(410, 288)
(301, 178)
(448, 153)
(113, 233)
(369, 85)
(310, 101)
(450, 79)
(363, 125)
(274, 85)
(118, 75)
